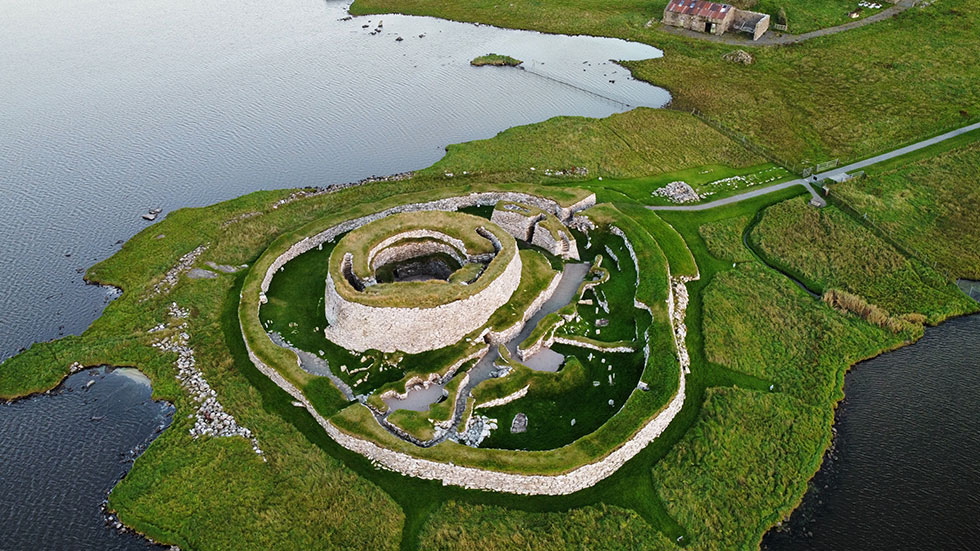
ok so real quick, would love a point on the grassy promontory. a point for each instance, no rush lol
(735, 460)
(495, 60)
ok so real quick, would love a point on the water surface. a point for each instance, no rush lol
(904, 472)
(61, 454)
(112, 107)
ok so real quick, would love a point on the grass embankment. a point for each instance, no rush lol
(929, 205)
(826, 249)
(495, 60)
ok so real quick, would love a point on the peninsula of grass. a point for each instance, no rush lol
(495, 60)
(880, 102)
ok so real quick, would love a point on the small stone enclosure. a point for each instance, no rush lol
(535, 226)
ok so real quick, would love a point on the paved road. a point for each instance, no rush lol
(774, 38)
(828, 174)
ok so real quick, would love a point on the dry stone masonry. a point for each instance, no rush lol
(173, 274)
(361, 327)
(536, 226)
(211, 419)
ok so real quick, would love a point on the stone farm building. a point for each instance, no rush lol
(714, 18)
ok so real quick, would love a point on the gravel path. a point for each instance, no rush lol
(828, 174)
(775, 38)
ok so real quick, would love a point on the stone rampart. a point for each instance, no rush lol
(470, 477)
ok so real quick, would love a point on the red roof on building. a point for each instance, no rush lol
(711, 10)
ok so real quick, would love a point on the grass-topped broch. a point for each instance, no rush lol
(421, 318)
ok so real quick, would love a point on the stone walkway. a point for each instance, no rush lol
(831, 174)
(776, 38)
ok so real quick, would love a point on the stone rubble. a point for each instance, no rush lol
(478, 428)
(678, 192)
(173, 274)
(211, 419)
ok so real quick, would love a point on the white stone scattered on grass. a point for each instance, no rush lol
(211, 417)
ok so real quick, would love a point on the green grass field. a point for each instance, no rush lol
(929, 205)
(826, 248)
(637, 143)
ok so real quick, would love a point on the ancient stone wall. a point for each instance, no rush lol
(360, 327)
(564, 246)
(516, 395)
(514, 221)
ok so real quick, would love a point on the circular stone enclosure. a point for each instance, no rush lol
(426, 309)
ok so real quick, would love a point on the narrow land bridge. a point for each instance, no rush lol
(831, 174)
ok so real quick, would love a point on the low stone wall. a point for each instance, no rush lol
(590, 346)
(517, 395)
(519, 223)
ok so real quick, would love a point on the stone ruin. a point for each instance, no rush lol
(537, 227)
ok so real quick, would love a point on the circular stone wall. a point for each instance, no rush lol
(417, 316)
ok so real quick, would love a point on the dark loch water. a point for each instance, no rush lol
(112, 107)
(60, 454)
(905, 469)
